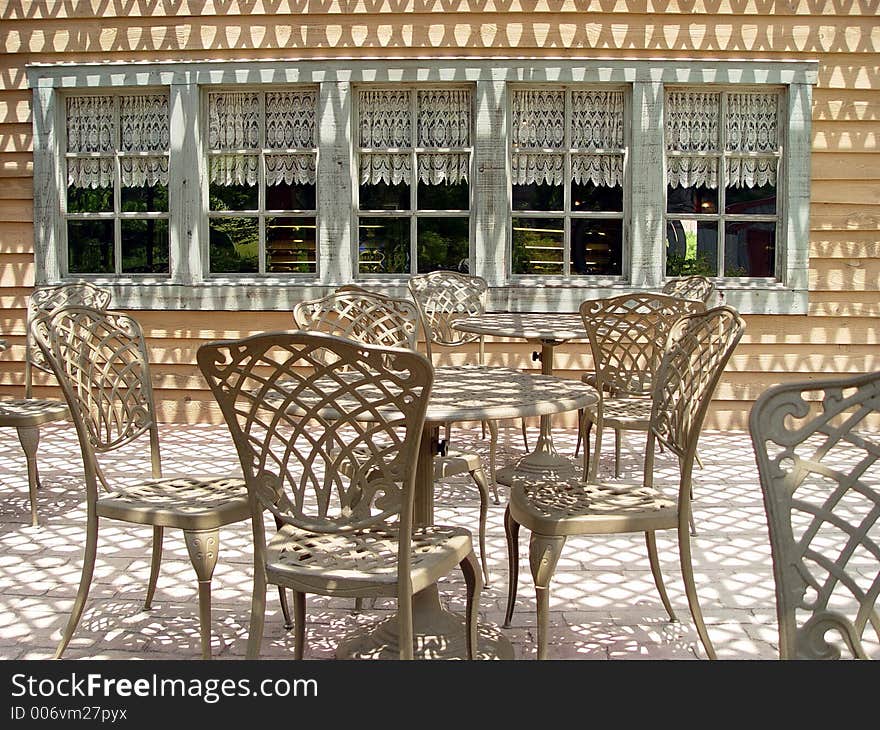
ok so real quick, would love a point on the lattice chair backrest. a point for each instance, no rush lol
(44, 302)
(362, 316)
(328, 443)
(100, 361)
(627, 335)
(695, 287)
(817, 449)
(696, 353)
(444, 297)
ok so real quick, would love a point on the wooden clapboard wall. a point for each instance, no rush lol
(840, 333)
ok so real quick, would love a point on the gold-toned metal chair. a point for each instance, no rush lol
(818, 453)
(695, 287)
(327, 431)
(627, 334)
(100, 361)
(377, 319)
(697, 350)
(27, 414)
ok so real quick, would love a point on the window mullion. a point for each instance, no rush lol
(722, 185)
(117, 185)
(566, 185)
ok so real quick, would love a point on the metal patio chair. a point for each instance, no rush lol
(27, 414)
(818, 456)
(100, 361)
(341, 484)
(697, 350)
(695, 287)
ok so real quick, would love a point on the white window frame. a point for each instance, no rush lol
(189, 287)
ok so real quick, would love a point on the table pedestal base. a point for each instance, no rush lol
(438, 633)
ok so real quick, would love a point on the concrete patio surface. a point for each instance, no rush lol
(604, 604)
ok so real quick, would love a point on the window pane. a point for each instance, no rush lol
(383, 246)
(443, 244)
(758, 200)
(145, 247)
(444, 197)
(290, 197)
(538, 245)
(596, 246)
(290, 245)
(90, 247)
(596, 198)
(89, 200)
(383, 196)
(148, 199)
(749, 249)
(235, 244)
(691, 248)
(538, 197)
(233, 197)
(699, 199)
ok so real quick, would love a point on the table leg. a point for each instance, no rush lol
(438, 633)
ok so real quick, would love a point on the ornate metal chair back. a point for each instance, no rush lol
(696, 287)
(442, 298)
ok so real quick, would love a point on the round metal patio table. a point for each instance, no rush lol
(463, 393)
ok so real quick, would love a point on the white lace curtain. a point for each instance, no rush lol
(234, 120)
(597, 125)
(443, 121)
(693, 129)
(142, 127)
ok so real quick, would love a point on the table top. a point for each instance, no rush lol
(527, 325)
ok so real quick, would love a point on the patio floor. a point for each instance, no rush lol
(604, 604)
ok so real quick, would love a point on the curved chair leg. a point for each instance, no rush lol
(479, 476)
(203, 547)
(617, 453)
(29, 437)
(690, 589)
(588, 427)
(471, 570)
(405, 633)
(282, 594)
(511, 530)
(155, 564)
(544, 552)
(258, 613)
(525, 433)
(483, 427)
(597, 454)
(493, 453)
(85, 582)
(580, 431)
(651, 542)
(299, 613)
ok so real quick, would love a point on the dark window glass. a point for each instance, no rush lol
(233, 197)
(89, 200)
(758, 200)
(538, 197)
(698, 199)
(148, 199)
(383, 246)
(443, 197)
(596, 198)
(443, 244)
(749, 249)
(691, 248)
(382, 196)
(290, 245)
(235, 244)
(596, 246)
(290, 197)
(538, 246)
(144, 246)
(90, 247)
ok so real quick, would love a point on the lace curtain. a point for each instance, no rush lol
(234, 120)
(443, 120)
(142, 128)
(693, 125)
(597, 123)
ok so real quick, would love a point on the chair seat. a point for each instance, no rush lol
(362, 562)
(31, 412)
(573, 507)
(629, 413)
(188, 503)
(455, 462)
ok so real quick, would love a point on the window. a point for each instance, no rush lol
(116, 206)
(722, 164)
(261, 189)
(414, 194)
(567, 163)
